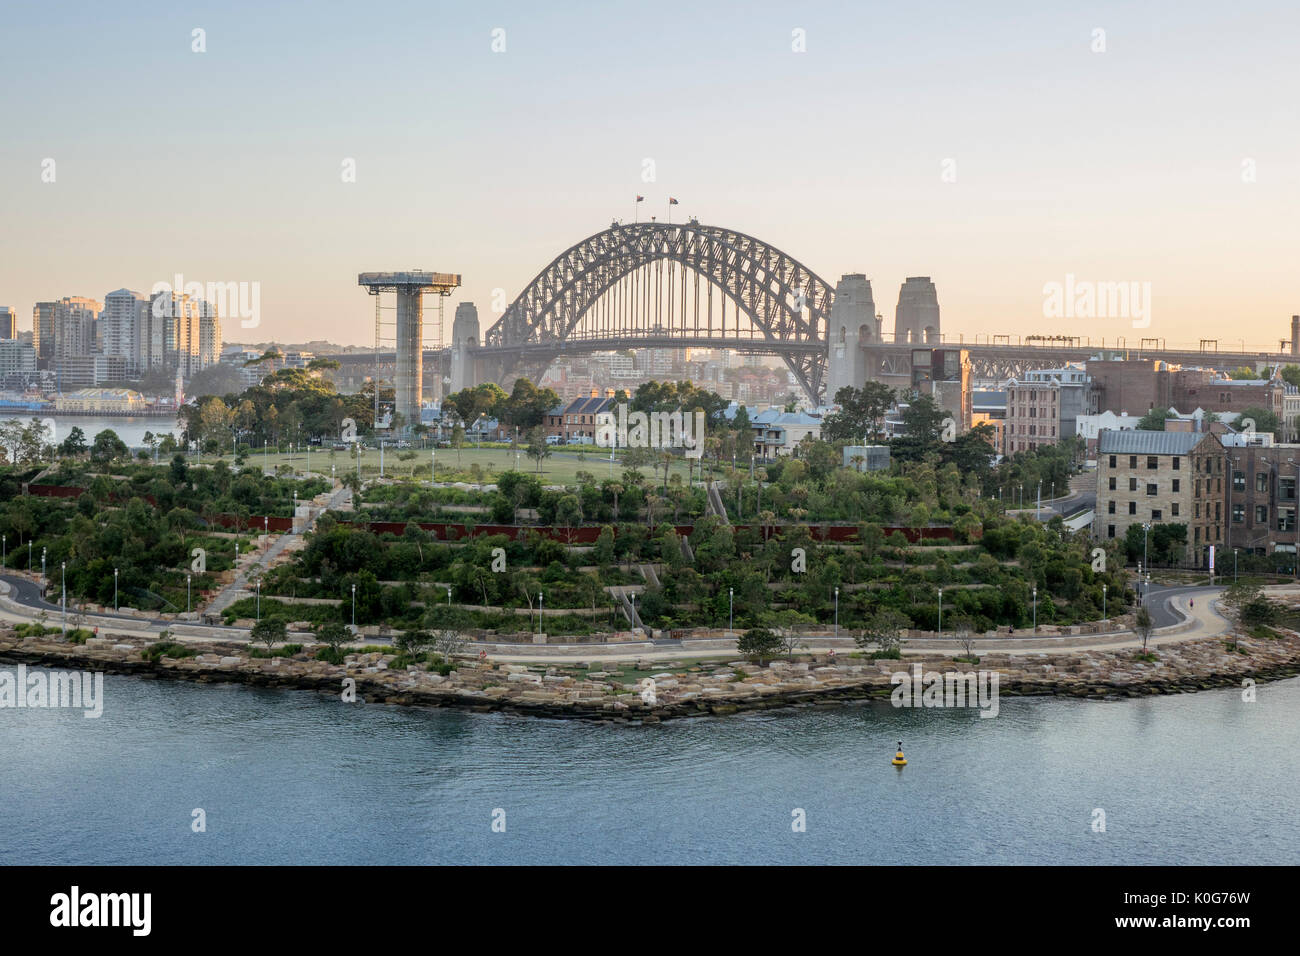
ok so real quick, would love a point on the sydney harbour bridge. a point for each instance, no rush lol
(665, 285)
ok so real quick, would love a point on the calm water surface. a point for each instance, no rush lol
(296, 777)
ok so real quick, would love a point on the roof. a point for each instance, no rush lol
(1137, 442)
(588, 405)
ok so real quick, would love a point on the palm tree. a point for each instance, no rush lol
(616, 489)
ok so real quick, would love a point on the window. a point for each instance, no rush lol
(1132, 461)
(1132, 484)
(1112, 482)
(1152, 463)
(1112, 461)
(1110, 531)
(1151, 490)
(1285, 519)
(1261, 481)
(1238, 481)
(1286, 489)
(1110, 507)
(1173, 509)
(1176, 460)
(1132, 507)
(1261, 514)
(1175, 484)
(1238, 514)
(1155, 514)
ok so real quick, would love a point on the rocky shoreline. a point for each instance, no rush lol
(682, 689)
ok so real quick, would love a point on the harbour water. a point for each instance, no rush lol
(299, 777)
(130, 429)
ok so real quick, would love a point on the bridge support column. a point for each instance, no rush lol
(464, 342)
(853, 328)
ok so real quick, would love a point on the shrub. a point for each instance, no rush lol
(330, 655)
(156, 652)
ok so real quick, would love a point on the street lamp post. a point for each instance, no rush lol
(448, 597)
(1234, 565)
(1035, 610)
(731, 608)
(541, 600)
(941, 612)
(188, 602)
(1145, 560)
(64, 600)
(4, 552)
(43, 582)
(837, 612)
(115, 590)
(1103, 602)
(354, 607)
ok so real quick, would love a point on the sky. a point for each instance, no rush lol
(993, 147)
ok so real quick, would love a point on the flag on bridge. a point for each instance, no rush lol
(672, 201)
(640, 198)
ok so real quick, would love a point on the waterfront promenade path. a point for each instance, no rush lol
(20, 601)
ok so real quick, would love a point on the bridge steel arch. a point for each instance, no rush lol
(782, 298)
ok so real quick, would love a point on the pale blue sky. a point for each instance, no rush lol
(225, 165)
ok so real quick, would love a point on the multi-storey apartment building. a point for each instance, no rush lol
(8, 323)
(122, 327)
(43, 333)
(74, 326)
(1043, 406)
(1146, 477)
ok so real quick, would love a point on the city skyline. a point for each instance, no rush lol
(490, 164)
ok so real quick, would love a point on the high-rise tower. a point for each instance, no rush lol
(408, 377)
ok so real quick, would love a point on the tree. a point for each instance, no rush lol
(413, 643)
(74, 444)
(527, 405)
(1154, 420)
(537, 447)
(1264, 420)
(884, 629)
(861, 415)
(268, 631)
(791, 642)
(449, 643)
(1247, 606)
(759, 644)
(108, 446)
(1142, 626)
(458, 440)
(333, 635)
(963, 631)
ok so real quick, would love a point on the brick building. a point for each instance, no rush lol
(1262, 499)
(1043, 406)
(1146, 477)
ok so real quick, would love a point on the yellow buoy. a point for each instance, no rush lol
(899, 760)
